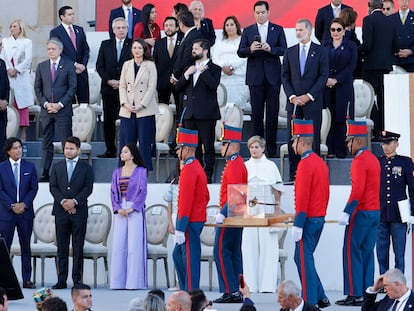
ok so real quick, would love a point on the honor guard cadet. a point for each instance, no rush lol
(193, 197)
(396, 175)
(311, 203)
(227, 243)
(361, 216)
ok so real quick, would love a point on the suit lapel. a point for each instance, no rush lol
(140, 72)
(310, 57)
(66, 37)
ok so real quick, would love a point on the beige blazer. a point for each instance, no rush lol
(139, 90)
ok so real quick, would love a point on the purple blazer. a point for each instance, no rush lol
(137, 189)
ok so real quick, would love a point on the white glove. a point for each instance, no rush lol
(179, 237)
(297, 233)
(344, 219)
(410, 220)
(218, 219)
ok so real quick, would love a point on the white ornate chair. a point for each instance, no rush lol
(83, 125)
(283, 254)
(232, 115)
(34, 111)
(44, 241)
(163, 124)
(325, 127)
(282, 117)
(397, 70)
(13, 121)
(221, 95)
(95, 92)
(207, 242)
(156, 218)
(364, 101)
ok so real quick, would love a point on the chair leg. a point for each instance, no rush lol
(90, 158)
(42, 269)
(154, 273)
(166, 272)
(34, 269)
(106, 269)
(210, 274)
(282, 270)
(95, 270)
(157, 165)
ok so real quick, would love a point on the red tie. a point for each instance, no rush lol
(72, 36)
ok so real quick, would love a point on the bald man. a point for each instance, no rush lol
(179, 301)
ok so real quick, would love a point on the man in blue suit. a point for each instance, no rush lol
(304, 74)
(18, 188)
(132, 16)
(262, 44)
(4, 101)
(75, 49)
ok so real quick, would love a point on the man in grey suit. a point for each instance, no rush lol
(55, 85)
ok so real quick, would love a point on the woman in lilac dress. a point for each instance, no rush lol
(129, 238)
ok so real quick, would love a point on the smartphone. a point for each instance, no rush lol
(258, 39)
(241, 280)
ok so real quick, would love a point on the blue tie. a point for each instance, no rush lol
(130, 29)
(16, 173)
(302, 60)
(70, 169)
(118, 50)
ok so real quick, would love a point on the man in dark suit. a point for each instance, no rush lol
(399, 297)
(75, 49)
(71, 183)
(263, 43)
(324, 17)
(305, 71)
(126, 10)
(378, 48)
(198, 86)
(164, 53)
(18, 188)
(111, 56)
(288, 296)
(4, 101)
(55, 86)
(403, 23)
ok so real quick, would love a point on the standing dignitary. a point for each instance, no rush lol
(75, 49)
(396, 176)
(131, 14)
(324, 18)
(378, 46)
(193, 197)
(164, 52)
(4, 101)
(111, 56)
(198, 88)
(403, 21)
(18, 188)
(304, 74)
(311, 202)
(399, 295)
(71, 183)
(388, 7)
(227, 243)
(55, 86)
(361, 216)
(262, 44)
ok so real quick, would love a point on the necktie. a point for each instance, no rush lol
(72, 36)
(16, 173)
(336, 12)
(171, 47)
(70, 169)
(130, 29)
(118, 50)
(394, 306)
(403, 18)
(302, 60)
(53, 72)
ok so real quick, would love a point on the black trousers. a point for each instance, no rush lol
(111, 111)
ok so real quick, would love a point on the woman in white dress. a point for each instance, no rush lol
(260, 246)
(17, 53)
(233, 74)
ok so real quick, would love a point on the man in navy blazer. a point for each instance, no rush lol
(18, 188)
(4, 101)
(109, 65)
(324, 18)
(399, 297)
(71, 183)
(262, 44)
(304, 82)
(125, 11)
(55, 98)
(75, 49)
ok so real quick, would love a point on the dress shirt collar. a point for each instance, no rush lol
(334, 7)
(117, 41)
(257, 161)
(125, 7)
(56, 62)
(75, 160)
(266, 24)
(300, 307)
(188, 31)
(12, 162)
(66, 26)
(202, 63)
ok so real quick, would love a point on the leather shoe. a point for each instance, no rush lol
(107, 154)
(44, 178)
(225, 298)
(323, 303)
(29, 284)
(59, 285)
(350, 301)
(236, 297)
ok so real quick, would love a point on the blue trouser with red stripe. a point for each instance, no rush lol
(312, 289)
(358, 251)
(187, 257)
(228, 258)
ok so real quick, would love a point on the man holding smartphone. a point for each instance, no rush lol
(262, 44)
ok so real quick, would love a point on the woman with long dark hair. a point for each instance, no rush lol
(148, 29)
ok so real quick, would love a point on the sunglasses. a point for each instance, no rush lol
(386, 9)
(336, 29)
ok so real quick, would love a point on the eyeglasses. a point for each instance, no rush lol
(336, 29)
(210, 303)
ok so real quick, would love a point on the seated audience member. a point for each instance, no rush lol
(81, 297)
(288, 296)
(54, 304)
(135, 304)
(157, 292)
(179, 301)
(199, 301)
(233, 67)
(153, 303)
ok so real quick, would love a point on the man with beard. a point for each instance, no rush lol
(198, 86)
